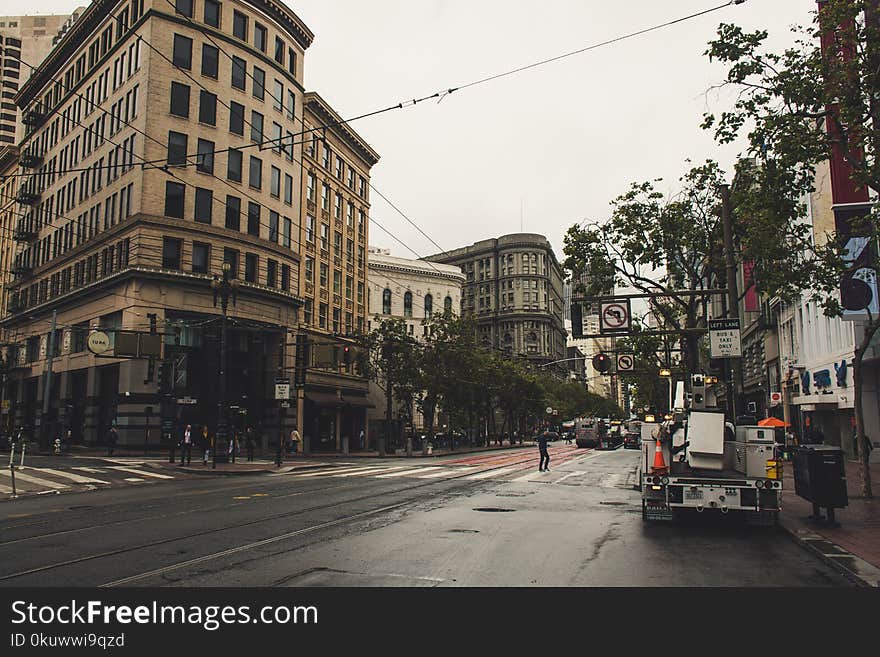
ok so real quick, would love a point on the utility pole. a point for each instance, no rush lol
(386, 355)
(45, 438)
(734, 364)
(224, 287)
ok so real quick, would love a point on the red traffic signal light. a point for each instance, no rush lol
(602, 363)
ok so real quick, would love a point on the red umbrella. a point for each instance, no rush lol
(772, 422)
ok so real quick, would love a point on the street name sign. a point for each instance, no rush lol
(724, 338)
(98, 342)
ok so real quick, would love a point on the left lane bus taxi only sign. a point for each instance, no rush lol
(724, 338)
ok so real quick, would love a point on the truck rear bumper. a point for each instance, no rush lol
(676, 492)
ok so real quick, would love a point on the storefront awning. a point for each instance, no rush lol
(358, 401)
(324, 398)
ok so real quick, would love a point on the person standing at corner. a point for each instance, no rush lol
(206, 445)
(544, 464)
(186, 445)
(249, 443)
(112, 437)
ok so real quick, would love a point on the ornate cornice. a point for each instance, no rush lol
(313, 102)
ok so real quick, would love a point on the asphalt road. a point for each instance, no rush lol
(462, 520)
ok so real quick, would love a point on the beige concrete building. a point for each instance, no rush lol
(411, 290)
(8, 218)
(334, 234)
(513, 287)
(26, 40)
(163, 148)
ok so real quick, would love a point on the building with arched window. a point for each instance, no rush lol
(513, 288)
(406, 289)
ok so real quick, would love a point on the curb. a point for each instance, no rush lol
(227, 473)
(855, 569)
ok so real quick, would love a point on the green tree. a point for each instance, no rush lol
(648, 353)
(657, 244)
(797, 109)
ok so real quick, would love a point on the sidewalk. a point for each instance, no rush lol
(854, 547)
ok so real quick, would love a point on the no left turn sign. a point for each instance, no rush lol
(625, 362)
(614, 316)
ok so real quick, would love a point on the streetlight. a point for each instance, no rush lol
(224, 287)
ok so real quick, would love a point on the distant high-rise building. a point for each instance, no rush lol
(26, 40)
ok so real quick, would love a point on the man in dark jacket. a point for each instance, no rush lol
(543, 437)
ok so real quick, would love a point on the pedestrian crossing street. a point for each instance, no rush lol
(40, 481)
(518, 473)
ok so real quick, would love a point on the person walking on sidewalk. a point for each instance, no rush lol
(186, 445)
(233, 445)
(544, 464)
(112, 437)
(205, 444)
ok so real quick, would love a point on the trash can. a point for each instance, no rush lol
(820, 477)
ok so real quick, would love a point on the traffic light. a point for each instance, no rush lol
(602, 363)
(301, 358)
(165, 386)
(698, 391)
(577, 320)
(347, 355)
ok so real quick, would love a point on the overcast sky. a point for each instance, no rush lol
(539, 150)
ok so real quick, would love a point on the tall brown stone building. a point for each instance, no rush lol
(164, 150)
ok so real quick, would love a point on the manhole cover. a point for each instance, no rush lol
(492, 509)
(464, 531)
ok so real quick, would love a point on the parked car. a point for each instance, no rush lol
(632, 440)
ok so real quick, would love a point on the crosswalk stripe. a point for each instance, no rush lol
(142, 473)
(526, 477)
(407, 472)
(35, 480)
(89, 470)
(570, 474)
(448, 472)
(491, 473)
(79, 479)
(5, 489)
(332, 472)
(370, 471)
(133, 479)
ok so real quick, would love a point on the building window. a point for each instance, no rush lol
(288, 189)
(240, 25)
(310, 270)
(233, 165)
(179, 99)
(170, 253)
(182, 56)
(322, 316)
(386, 301)
(257, 128)
(184, 7)
(271, 273)
(212, 13)
(429, 306)
(447, 304)
(236, 118)
(291, 61)
(307, 312)
(253, 224)
(285, 278)
(325, 237)
(174, 197)
(255, 173)
(275, 182)
(210, 58)
(250, 267)
(407, 304)
(337, 281)
(324, 274)
(204, 205)
(310, 228)
(205, 156)
(273, 226)
(259, 87)
(259, 37)
(233, 212)
(177, 142)
(230, 256)
(201, 257)
(239, 73)
(278, 96)
(207, 108)
(288, 231)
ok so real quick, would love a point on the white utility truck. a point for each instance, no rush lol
(706, 464)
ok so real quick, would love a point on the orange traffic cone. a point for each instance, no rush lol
(659, 463)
